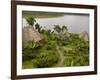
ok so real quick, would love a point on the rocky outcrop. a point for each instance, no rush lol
(85, 36)
(29, 34)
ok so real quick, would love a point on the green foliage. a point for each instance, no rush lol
(45, 60)
(27, 54)
(30, 45)
(27, 64)
(37, 27)
(75, 49)
(76, 61)
(31, 20)
(64, 28)
(57, 28)
(29, 50)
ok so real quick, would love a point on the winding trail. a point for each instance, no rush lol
(61, 56)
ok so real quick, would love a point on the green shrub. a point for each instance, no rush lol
(45, 60)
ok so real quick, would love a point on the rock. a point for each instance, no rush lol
(85, 36)
(29, 34)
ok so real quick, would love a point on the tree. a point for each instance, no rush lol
(57, 28)
(64, 28)
(31, 21)
(37, 26)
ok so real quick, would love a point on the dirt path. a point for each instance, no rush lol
(60, 55)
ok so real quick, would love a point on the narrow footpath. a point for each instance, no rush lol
(61, 56)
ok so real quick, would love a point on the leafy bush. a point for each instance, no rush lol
(45, 60)
(29, 50)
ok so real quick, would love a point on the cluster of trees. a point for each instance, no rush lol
(74, 48)
(32, 22)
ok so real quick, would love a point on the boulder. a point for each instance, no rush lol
(30, 34)
(85, 36)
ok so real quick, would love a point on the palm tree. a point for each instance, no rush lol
(57, 28)
(64, 28)
(37, 26)
(31, 21)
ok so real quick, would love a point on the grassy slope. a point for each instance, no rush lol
(71, 58)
